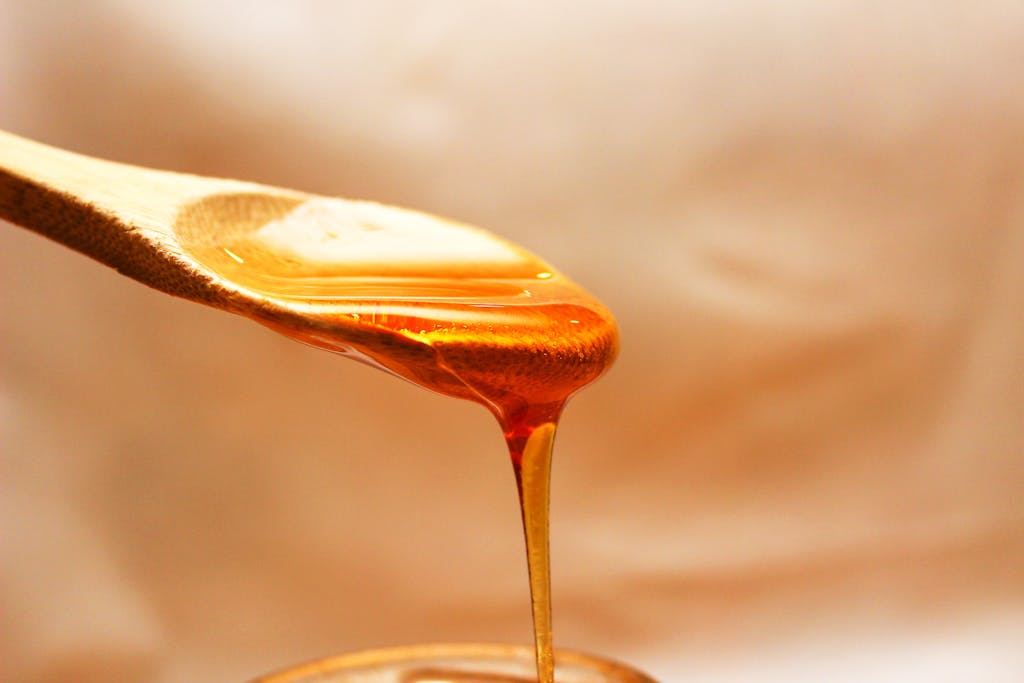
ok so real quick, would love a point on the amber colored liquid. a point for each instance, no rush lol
(448, 307)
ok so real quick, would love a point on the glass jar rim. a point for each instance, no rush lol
(610, 669)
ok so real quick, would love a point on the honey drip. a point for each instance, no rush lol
(446, 306)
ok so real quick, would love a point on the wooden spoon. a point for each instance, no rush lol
(388, 286)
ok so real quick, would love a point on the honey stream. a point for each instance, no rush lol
(446, 306)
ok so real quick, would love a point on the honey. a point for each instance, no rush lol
(446, 306)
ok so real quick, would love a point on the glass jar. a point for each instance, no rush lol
(464, 663)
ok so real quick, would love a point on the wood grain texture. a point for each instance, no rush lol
(120, 215)
(128, 218)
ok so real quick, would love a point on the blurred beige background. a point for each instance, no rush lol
(807, 464)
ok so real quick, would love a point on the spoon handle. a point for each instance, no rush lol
(118, 214)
